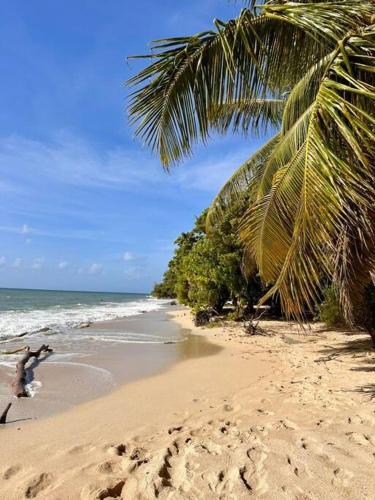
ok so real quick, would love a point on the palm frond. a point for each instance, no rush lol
(304, 92)
(325, 187)
(244, 60)
(243, 181)
(331, 20)
(255, 114)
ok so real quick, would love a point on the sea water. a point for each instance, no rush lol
(32, 311)
(125, 339)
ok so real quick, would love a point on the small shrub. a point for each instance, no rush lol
(329, 310)
(201, 318)
(236, 315)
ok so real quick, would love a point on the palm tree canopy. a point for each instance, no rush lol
(309, 68)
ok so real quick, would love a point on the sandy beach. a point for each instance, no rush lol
(288, 415)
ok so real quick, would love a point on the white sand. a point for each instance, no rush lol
(288, 416)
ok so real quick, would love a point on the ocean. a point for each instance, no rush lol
(32, 311)
(129, 336)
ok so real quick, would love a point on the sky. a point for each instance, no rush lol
(83, 206)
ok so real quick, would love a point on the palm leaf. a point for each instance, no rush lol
(257, 114)
(243, 182)
(243, 60)
(330, 185)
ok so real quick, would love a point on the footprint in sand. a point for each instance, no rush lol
(222, 484)
(114, 490)
(118, 450)
(341, 477)
(38, 484)
(255, 474)
(78, 449)
(11, 471)
(288, 424)
(359, 439)
(299, 469)
(107, 467)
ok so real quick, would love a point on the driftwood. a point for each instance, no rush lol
(3, 418)
(15, 351)
(18, 386)
(9, 339)
(252, 327)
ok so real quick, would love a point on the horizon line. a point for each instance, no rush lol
(60, 290)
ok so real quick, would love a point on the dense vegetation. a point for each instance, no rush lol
(206, 269)
(305, 68)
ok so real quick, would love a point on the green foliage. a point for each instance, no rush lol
(329, 310)
(204, 275)
(206, 269)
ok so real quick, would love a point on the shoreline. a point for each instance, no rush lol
(287, 415)
(90, 368)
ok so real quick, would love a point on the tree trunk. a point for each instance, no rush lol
(18, 385)
(372, 334)
(363, 300)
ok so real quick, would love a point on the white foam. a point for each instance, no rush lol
(58, 319)
(33, 388)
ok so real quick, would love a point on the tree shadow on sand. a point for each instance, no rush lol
(357, 347)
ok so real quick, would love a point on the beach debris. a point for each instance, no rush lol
(3, 417)
(13, 337)
(15, 351)
(19, 384)
(251, 326)
(202, 317)
(85, 325)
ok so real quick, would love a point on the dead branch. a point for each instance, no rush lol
(252, 326)
(18, 385)
(3, 418)
(13, 338)
(15, 351)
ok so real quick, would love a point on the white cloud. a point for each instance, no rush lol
(17, 263)
(128, 256)
(136, 272)
(69, 160)
(62, 265)
(2, 261)
(211, 173)
(76, 234)
(95, 268)
(37, 264)
(25, 229)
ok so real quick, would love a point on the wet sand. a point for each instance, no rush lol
(83, 370)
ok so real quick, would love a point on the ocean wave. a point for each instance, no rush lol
(59, 319)
(125, 338)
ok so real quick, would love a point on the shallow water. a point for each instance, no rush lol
(91, 362)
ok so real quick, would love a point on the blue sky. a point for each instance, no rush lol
(82, 205)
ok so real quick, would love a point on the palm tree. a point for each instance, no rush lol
(305, 68)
